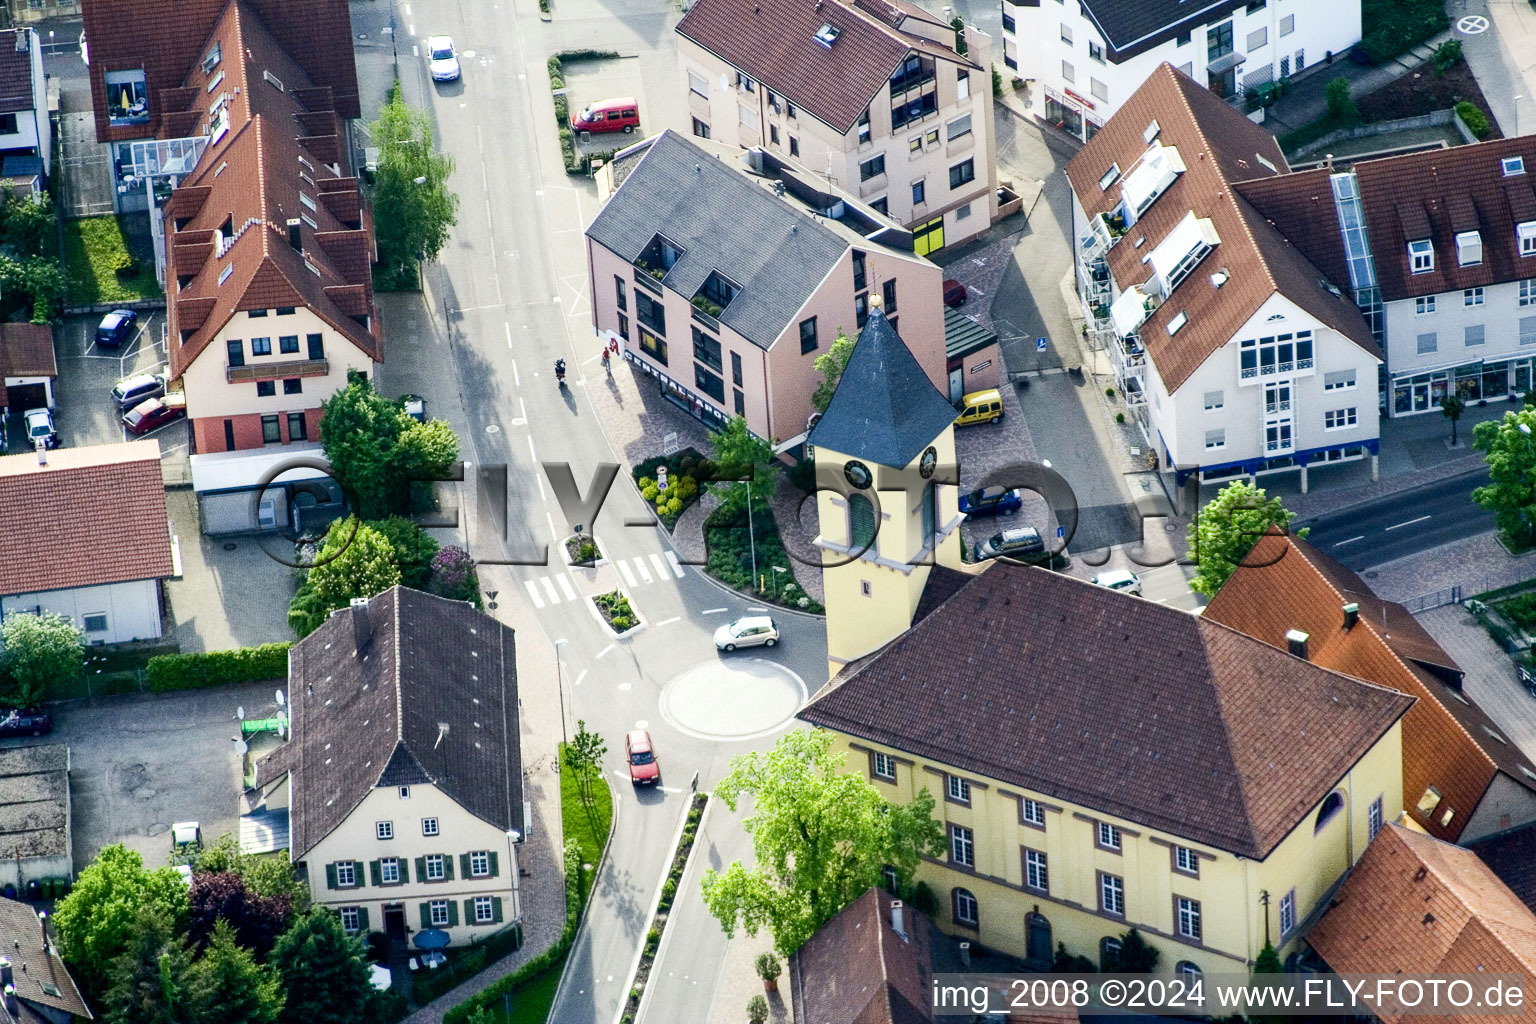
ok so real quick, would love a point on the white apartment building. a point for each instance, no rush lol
(1086, 57)
(877, 96)
(1234, 352)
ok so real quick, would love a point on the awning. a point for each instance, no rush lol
(1226, 63)
(1129, 311)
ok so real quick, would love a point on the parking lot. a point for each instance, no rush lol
(85, 413)
(139, 763)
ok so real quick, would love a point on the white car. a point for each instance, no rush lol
(443, 58)
(40, 430)
(1122, 580)
(749, 631)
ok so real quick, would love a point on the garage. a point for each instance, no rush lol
(22, 397)
(27, 367)
(256, 492)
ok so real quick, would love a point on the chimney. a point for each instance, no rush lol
(898, 924)
(965, 955)
(1351, 615)
(362, 628)
(1296, 643)
(1328, 161)
(294, 238)
(6, 977)
(11, 1005)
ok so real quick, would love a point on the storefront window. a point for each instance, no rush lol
(1063, 116)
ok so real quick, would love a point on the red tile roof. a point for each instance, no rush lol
(1438, 193)
(92, 515)
(255, 179)
(16, 73)
(1219, 148)
(168, 39)
(857, 969)
(1414, 905)
(774, 41)
(1447, 739)
(1152, 698)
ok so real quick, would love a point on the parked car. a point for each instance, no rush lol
(115, 328)
(25, 722)
(443, 59)
(992, 501)
(980, 407)
(186, 837)
(130, 391)
(1017, 543)
(152, 414)
(955, 294)
(415, 407)
(748, 631)
(621, 115)
(40, 430)
(644, 769)
(1122, 580)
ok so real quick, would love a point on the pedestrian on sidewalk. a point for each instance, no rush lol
(607, 362)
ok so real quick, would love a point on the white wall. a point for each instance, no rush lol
(458, 832)
(132, 608)
(1499, 314)
(1037, 46)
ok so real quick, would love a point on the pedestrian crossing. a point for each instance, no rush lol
(637, 571)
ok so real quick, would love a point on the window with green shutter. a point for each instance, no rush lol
(426, 915)
(448, 866)
(373, 873)
(469, 910)
(453, 913)
(362, 920)
(494, 869)
(421, 869)
(464, 864)
(405, 871)
(861, 522)
(330, 876)
(496, 909)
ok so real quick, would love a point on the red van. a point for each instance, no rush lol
(621, 115)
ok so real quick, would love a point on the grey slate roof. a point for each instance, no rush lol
(429, 695)
(725, 222)
(1133, 26)
(885, 408)
(33, 967)
(963, 335)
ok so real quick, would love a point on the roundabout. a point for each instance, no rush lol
(734, 698)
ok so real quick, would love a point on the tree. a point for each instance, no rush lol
(831, 364)
(1224, 531)
(97, 920)
(147, 980)
(1452, 406)
(1071, 963)
(454, 576)
(1511, 456)
(223, 898)
(267, 877)
(821, 836)
(1268, 963)
(413, 206)
(228, 986)
(584, 757)
(40, 653)
(376, 450)
(742, 455)
(414, 549)
(1133, 957)
(323, 972)
(356, 560)
(1341, 105)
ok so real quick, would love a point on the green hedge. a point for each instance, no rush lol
(1475, 120)
(427, 986)
(215, 668)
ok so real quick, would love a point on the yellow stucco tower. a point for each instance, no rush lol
(888, 500)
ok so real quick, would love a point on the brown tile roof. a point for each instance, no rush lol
(59, 532)
(1512, 856)
(252, 179)
(169, 40)
(1299, 205)
(1415, 905)
(774, 42)
(26, 350)
(379, 719)
(1434, 195)
(1151, 698)
(15, 73)
(33, 966)
(1219, 148)
(1447, 739)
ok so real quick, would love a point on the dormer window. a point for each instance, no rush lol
(1527, 235)
(1178, 254)
(827, 35)
(1110, 177)
(1469, 248)
(1421, 255)
(1513, 165)
(659, 256)
(716, 293)
(1179, 320)
(1151, 132)
(1157, 169)
(216, 53)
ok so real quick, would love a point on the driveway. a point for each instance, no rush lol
(140, 762)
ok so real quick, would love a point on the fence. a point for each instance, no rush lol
(1444, 596)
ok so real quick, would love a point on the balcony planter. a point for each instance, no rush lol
(705, 306)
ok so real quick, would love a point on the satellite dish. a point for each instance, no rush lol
(725, 83)
(279, 698)
(242, 747)
(240, 713)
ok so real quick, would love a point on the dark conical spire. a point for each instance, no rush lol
(885, 408)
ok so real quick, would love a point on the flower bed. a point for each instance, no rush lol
(731, 544)
(583, 550)
(685, 469)
(664, 906)
(616, 612)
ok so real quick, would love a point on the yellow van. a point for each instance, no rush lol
(980, 407)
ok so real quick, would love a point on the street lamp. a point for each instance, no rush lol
(776, 588)
(560, 684)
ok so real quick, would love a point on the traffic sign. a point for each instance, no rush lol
(1040, 345)
(1061, 531)
(661, 478)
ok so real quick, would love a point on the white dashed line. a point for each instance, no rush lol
(605, 650)
(668, 622)
(629, 577)
(533, 593)
(1350, 541)
(515, 378)
(1408, 523)
(714, 611)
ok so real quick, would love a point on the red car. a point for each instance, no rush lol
(955, 294)
(643, 767)
(151, 415)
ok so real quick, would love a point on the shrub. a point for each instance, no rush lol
(1475, 120)
(767, 966)
(454, 575)
(649, 492)
(1341, 105)
(1109, 392)
(1446, 55)
(757, 1010)
(166, 672)
(997, 83)
(1119, 417)
(573, 56)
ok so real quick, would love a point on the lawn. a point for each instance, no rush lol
(94, 249)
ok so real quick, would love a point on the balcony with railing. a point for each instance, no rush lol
(1279, 405)
(273, 371)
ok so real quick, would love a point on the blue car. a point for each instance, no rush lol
(992, 501)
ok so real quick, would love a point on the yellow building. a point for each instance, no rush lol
(1100, 762)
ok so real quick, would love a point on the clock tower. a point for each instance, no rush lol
(888, 501)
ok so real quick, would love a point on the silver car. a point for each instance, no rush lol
(130, 391)
(749, 631)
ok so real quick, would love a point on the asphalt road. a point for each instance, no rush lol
(508, 298)
(1402, 524)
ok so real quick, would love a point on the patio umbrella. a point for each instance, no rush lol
(381, 978)
(127, 99)
(431, 938)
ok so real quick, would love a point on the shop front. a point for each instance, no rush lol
(682, 397)
(1471, 382)
(1066, 111)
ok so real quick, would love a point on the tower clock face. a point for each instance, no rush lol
(929, 463)
(858, 475)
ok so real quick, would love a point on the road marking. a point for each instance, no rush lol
(531, 453)
(669, 789)
(605, 650)
(661, 567)
(565, 585)
(757, 609)
(677, 569)
(640, 566)
(539, 479)
(508, 326)
(626, 687)
(580, 677)
(629, 577)
(1408, 523)
(411, 29)
(714, 611)
(549, 590)
(668, 622)
(515, 378)
(415, 51)
(1351, 540)
(407, 10)
(533, 592)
